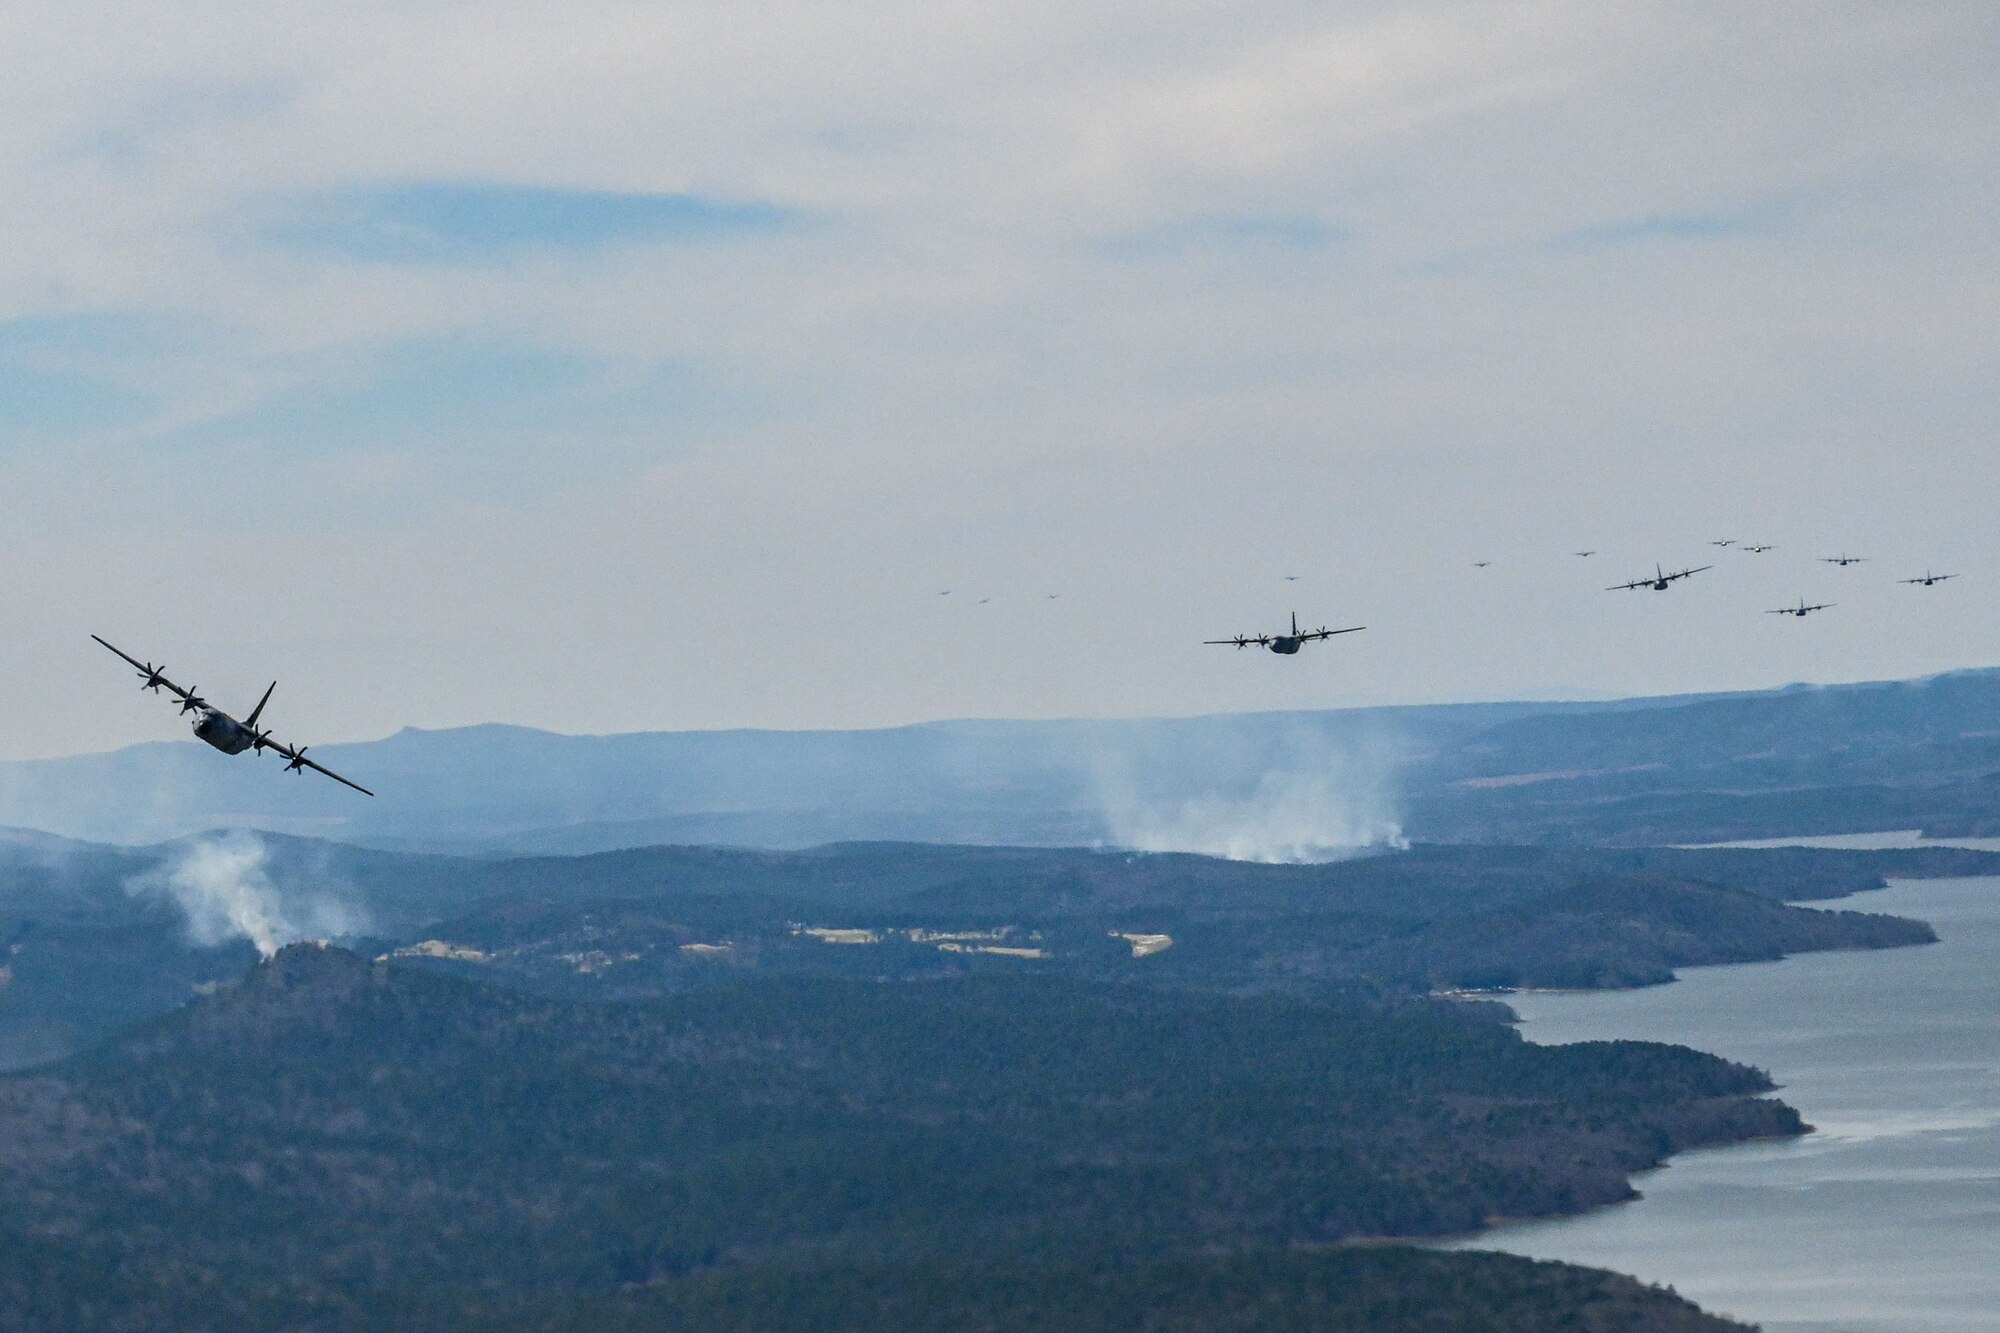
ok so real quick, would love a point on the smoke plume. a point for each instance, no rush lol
(224, 886)
(1314, 802)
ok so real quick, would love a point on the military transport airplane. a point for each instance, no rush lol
(1842, 560)
(224, 732)
(1285, 644)
(1730, 542)
(1929, 579)
(1660, 581)
(1756, 550)
(1801, 609)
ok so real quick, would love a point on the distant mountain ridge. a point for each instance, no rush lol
(502, 788)
(1842, 758)
(1922, 754)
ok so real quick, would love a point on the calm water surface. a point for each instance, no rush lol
(1888, 1218)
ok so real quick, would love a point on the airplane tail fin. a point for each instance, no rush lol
(1295, 624)
(251, 721)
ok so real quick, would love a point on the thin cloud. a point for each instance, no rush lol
(1674, 227)
(440, 222)
(1296, 234)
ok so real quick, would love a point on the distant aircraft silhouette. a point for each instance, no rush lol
(1660, 581)
(1801, 610)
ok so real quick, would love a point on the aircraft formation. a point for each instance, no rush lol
(1660, 580)
(232, 737)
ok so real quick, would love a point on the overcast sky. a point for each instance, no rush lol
(604, 367)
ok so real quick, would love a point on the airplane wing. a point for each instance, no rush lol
(1241, 641)
(1635, 583)
(1685, 572)
(296, 760)
(1329, 633)
(150, 673)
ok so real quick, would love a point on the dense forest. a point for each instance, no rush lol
(52, 1288)
(860, 1086)
(333, 1125)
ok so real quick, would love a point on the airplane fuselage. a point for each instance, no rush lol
(222, 731)
(1663, 585)
(1286, 645)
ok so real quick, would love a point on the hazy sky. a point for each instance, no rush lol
(607, 366)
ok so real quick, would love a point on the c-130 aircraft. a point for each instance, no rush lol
(224, 732)
(1285, 644)
(1660, 581)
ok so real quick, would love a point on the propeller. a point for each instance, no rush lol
(298, 760)
(154, 677)
(261, 741)
(192, 702)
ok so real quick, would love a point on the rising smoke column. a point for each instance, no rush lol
(1315, 800)
(223, 885)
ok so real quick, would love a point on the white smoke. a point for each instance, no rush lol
(223, 884)
(1317, 803)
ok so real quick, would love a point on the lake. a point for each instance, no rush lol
(1887, 1218)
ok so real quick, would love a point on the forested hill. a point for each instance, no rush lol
(1380, 1289)
(1921, 754)
(332, 1133)
(1417, 922)
(96, 938)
